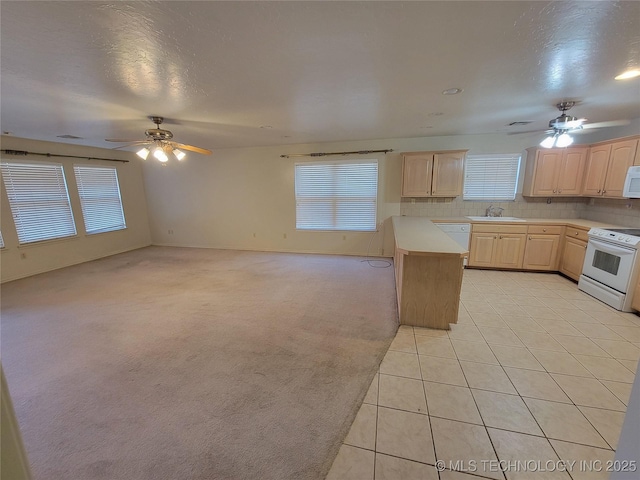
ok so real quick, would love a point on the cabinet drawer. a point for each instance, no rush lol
(498, 228)
(546, 229)
(578, 233)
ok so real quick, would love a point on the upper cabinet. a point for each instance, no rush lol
(552, 172)
(432, 174)
(607, 168)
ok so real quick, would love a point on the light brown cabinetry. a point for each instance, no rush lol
(607, 167)
(554, 172)
(432, 174)
(543, 245)
(635, 303)
(497, 246)
(574, 248)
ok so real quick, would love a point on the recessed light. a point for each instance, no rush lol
(452, 91)
(628, 74)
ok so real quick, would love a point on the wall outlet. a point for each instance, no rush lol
(23, 255)
(413, 201)
(170, 232)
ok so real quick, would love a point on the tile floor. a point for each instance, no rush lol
(535, 371)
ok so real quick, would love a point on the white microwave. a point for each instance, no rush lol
(632, 183)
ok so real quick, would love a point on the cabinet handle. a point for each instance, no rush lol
(554, 191)
(529, 238)
(604, 191)
(598, 191)
(544, 229)
(500, 237)
(495, 237)
(576, 233)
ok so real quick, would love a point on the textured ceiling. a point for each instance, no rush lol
(312, 71)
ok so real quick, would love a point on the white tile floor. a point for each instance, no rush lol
(535, 371)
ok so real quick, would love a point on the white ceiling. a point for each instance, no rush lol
(313, 71)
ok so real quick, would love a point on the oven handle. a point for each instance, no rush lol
(609, 248)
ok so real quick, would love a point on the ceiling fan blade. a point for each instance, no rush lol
(611, 123)
(191, 148)
(122, 140)
(131, 144)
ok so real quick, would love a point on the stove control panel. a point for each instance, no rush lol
(615, 237)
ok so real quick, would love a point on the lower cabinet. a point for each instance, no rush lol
(543, 246)
(573, 253)
(497, 246)
(636, 297)
(521, 247)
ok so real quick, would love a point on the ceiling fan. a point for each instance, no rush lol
(160, 144)
(560, 128)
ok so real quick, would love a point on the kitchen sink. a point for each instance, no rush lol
(496, 219)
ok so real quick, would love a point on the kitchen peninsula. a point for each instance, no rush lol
(428, 271)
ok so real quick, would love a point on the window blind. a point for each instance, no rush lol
(336, 196)
(1, 241)
(491, 177)
(39, 201)
(100, 198)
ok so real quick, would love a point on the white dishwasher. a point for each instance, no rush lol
(460, 232)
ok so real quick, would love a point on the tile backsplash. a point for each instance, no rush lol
(623, 212)
(525, 207)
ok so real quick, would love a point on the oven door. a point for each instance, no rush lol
(609, 264)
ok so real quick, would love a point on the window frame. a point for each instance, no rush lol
(337, 199)
(497, 158)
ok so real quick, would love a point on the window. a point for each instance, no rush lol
(491, 177)
(100, 198)
(39, 201)
(1, 241)
(336, 196)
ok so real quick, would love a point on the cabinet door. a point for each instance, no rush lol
(548, 164)
(541, 252)
(416, 175)
(447, 174)
(482, 249)
(510, 250)
(571, 172)
(596, 170)
(572, 258)
(621, 158)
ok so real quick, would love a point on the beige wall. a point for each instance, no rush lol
(223, 200)
(21, 261)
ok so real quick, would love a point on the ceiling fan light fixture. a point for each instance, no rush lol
(179, 154)
(143, 153)
(564, 140)
(633, 73)
(548, 142)
(158, 152)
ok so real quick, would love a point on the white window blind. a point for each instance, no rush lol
(100, 198)
(491, 177)
(39, 201)
(1, 241)
(336, 195)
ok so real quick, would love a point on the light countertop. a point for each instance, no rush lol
(419, 236)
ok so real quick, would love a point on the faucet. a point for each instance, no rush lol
(494, 211)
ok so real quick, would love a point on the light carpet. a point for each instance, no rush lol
(180, 363)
